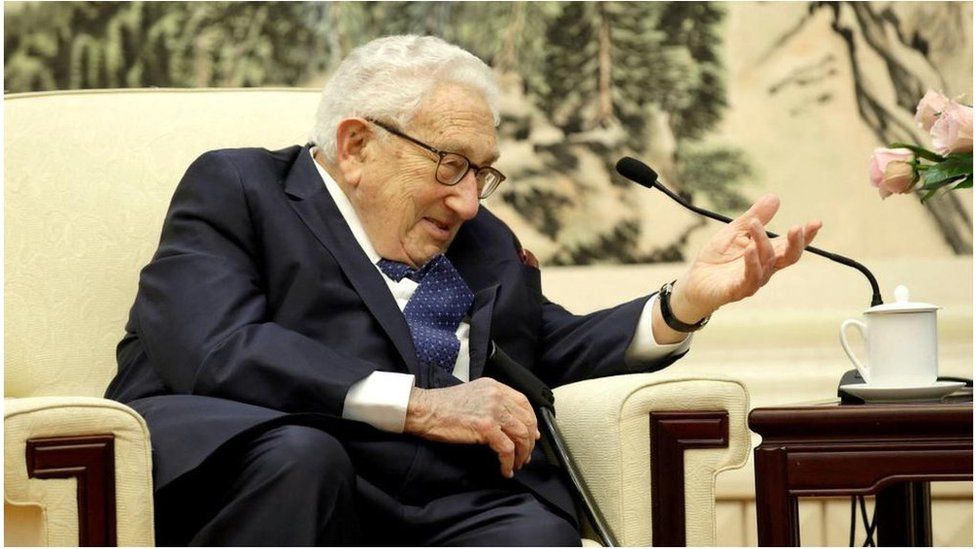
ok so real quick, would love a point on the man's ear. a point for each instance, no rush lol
(352, 136)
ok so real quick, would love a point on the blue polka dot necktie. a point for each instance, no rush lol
(435, 309)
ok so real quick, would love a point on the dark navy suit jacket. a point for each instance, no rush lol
(259, 308)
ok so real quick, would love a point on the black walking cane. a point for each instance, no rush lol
(542, 399)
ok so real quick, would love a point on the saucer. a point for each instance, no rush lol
(925, 393)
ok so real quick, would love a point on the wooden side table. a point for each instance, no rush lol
(892, 450)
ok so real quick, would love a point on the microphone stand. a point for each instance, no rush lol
(520, 378)
(642, 174)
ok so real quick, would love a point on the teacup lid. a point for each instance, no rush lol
(902, 304)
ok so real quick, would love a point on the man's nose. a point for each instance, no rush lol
(463, 199)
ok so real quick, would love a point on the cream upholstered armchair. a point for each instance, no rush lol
(88, 177)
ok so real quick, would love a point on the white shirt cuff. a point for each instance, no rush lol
(380, 399)
(644, 347)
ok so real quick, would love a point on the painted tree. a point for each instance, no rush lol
(168, 44)
(630, 78)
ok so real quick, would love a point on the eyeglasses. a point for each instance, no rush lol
(452, 167)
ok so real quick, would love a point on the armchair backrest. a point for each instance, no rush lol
(88, 177)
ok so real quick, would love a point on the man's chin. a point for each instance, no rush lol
(429, 251)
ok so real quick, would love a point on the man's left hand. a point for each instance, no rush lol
(737, 261)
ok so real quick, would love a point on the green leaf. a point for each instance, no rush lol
(933, 185)
(961, 159)
(928, 195)
(921, 152)
(954, 167)
(966, 183)
(936, 179)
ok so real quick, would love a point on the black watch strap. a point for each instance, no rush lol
(665, 298)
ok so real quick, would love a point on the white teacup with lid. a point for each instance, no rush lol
(901, 341)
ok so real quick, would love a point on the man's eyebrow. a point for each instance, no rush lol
(460, 148)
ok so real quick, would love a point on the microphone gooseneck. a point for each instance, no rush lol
(643, 175)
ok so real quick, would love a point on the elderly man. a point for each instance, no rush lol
(308, 344)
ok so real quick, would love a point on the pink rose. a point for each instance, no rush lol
(929, 108)
(892, 172)
(953, 130)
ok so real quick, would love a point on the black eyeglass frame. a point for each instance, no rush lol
(478, 170)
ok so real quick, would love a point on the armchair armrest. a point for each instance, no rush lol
(607, 424)
(66, 453)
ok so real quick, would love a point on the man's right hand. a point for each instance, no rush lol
(482, 411)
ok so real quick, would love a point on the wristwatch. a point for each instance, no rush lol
(665, 298)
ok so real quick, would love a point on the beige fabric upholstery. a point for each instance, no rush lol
(88, 177)
(606, 425)
(41, 417)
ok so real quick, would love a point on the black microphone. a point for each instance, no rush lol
(642, 174)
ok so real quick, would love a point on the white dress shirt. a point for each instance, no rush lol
(381, 398)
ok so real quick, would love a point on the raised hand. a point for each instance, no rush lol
(737, 261)
(482, 411)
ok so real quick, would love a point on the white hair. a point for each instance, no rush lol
(387, 79)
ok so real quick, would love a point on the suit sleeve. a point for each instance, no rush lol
(578, 347)
(202, 310)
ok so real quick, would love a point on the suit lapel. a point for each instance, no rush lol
(480, 334)
(469, 260)
(315, 206)
(467, 257)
